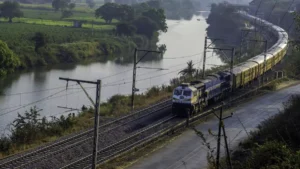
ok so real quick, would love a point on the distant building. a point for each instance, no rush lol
(77, 24)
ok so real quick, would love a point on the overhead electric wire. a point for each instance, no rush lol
(272, 10)
(35, 91)
(37, 101)
(183, 56)
(258, 7)
(287, 11)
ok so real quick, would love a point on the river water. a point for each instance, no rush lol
(42, 87)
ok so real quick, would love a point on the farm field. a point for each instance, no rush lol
(52, 15)
(68, 23)
(81, 7)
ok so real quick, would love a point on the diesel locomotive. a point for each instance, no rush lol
(190, 98)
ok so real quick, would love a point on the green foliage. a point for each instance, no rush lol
(145, 26)
(189, 70)
(276, 143)
(125, 29)
(111, 11)
(29, 127)
(273, 155)
(8, 61)
(158, 16)
(40, 40)
(66, 14)
(5, 145)
(10, 10)
(292, 62)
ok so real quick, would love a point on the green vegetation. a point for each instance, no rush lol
(40, 42)
(8, 60)
(276, 142)
(10, 10)
(31, 130)
(116, 106)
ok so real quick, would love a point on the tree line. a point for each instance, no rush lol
(142, 18)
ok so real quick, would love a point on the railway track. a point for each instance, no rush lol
(125, 143)
(81, 139)
(116, 136)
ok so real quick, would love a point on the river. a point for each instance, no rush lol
(42, 87)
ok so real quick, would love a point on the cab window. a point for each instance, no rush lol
(187, 93)
(177, 92)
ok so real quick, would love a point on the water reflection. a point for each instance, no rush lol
(184, 41)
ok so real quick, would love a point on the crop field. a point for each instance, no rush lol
(52, 15)
(57, 23)
(78, 8)
(18, 34)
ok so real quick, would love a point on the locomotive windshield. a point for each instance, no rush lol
(187, 93)
(177, 92)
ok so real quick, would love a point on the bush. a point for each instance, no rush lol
(276, 143)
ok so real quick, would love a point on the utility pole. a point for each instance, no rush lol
(97, 112)
(204, 57)
(231, 60)
(219, 137)
(231, 67)
(265, 61)
(135, 62)
(222, 127)
(206, 46)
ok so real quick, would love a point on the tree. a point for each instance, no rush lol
(126, 13)
(107, 12)
(125, 29)
(66, 14)
(8, 61)
(62, 5)
(111, 11)
(10, 10)
(158, 16)
(189, 70)
(40, 39)
(91, 3)
(145, 26)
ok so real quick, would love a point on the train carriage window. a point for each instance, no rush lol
(187, 93)
(177, 92)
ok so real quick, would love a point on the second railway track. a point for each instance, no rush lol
(44, 152)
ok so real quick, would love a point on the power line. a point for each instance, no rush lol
(286, 11)
(272, 9)
(183, 56)
(258, 7)
(37, 101)
(35, 91)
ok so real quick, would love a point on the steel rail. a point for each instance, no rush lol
(87, 159)
(85, 133)
(180, 124)
(76, 144)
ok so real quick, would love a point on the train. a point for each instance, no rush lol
(190, 98)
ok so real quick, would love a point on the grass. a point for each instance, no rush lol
(78, 8)
(84, 120)
(52, 15)
(57, 23)
(276, 142)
